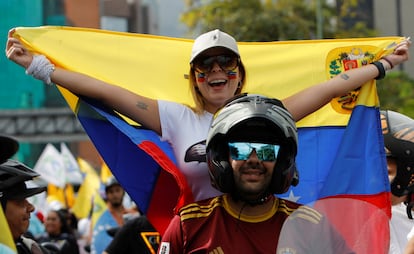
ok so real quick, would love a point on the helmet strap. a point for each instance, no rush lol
(259, 201)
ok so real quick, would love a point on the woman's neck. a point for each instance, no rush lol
(211, 109)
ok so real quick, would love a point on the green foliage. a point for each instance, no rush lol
(255, 20)
(396, 93)
(359, 30)
(271, 20)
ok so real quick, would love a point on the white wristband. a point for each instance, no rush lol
(41, 68)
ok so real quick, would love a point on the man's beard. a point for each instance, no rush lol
(250, 197)
(116, 204)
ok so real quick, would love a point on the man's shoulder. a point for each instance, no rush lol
(289, 204)
(31, 245)
(201, 208)
(302, 212)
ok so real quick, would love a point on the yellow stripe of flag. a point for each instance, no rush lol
(6, 240)
(155, 66)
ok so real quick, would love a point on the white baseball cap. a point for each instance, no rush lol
(215, 38)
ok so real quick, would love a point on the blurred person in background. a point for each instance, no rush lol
(137, 235)
(71, 221)
(112, 217)
(58, 232)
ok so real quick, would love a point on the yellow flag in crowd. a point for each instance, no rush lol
(105, 173)
(55, 194)
(99, 206)
(69, 195)
(89, 188)
(83, 203)
(6, 240)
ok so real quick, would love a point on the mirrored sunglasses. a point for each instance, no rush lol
(242, 151)
(226, 62)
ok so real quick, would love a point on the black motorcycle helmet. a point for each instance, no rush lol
(13, 175)
(8, 147)
(398, 131)
(252, 118)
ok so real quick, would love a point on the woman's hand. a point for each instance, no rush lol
(400, 54)
(16, 52)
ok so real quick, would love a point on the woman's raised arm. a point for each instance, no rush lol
(311, 99)
(139, 108)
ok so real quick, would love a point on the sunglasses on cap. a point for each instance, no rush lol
(241, 151)
(205, 64)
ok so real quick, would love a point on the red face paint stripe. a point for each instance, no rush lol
(201, 77)
(232, 74)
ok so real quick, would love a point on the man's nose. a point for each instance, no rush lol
(253, 156)
(30, 206)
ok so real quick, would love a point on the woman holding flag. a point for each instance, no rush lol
(216, 74)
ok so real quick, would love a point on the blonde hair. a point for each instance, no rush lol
(198, 98)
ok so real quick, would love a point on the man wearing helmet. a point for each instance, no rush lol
(251, 149)
(14, 194)
(398, 131)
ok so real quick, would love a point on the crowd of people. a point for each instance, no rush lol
(60, 234)
(266, 122)
(248, 157)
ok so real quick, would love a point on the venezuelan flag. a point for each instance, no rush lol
(343, 175)
(334, 160)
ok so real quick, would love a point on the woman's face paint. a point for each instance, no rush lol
(201, 77)
(232, 74)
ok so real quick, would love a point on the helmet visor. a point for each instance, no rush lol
(242, 150)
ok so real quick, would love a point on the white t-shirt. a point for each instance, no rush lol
(186, 132)
(400, 227)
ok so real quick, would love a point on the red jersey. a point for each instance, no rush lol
(212, 226)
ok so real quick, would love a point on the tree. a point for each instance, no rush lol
(396, 93)
(267, 20)
(254, 20)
